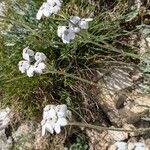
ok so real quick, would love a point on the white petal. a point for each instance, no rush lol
(52, 113)
(76, 29)
(72, 35)
(57, 128)
(58, 2)
(61, 30)
(83, 24)
(27, 53)
(40, 56)
(55, 9)
(23, 66)
(39, 14)
(62, 111)
(45, 115)
(30, 71)
(68, 35)
(62, 121)
(65, 39)
(74, 20)
(49, 127)
(39, 67)
(51, 2)
(46, 12)
(26, 56)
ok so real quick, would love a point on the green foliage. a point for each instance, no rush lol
(80, 143)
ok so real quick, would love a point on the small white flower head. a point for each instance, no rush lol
(54, 117)
(84, 23)
(40, 57)
(27, 53)
(66, 34)
(26, 67)
(77, 23)
(23, 66)
(48, 8)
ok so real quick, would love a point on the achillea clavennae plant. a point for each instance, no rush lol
(25, 65)
(42, 35)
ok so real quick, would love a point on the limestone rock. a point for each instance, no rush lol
(5, 118)
(111, 94)
(133, 111)
(118, 135)
(23, 137)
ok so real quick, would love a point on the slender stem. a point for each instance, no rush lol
(99, 128)
(111, 48)
(73, 76)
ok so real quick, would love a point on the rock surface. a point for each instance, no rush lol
(5, 120)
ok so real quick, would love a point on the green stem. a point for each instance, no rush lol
(99, 128)
(72, 76)
(111, 48)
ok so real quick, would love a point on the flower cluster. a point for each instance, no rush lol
(25, 65)
(53, 118)
(48, 8)
(67, 33)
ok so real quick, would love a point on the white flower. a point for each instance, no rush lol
(74, 23)
(30, 71)
(43, 11)
(48, 8)
(77, 23)
(84, 23)
(26, 67)
(23, 66)
(27, 53)
(66, 34)
(54, 117)
(40, 56)
(39, 67)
